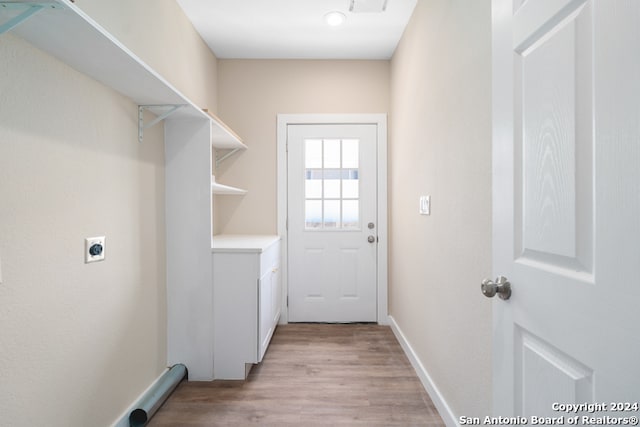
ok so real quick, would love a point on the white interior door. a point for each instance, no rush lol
(567, 206)
(332, 222)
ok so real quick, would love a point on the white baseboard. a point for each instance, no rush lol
(123, 420)
(438, 400)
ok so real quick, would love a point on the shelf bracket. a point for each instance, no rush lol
(28, 10)
(220, 159)
(142, 126)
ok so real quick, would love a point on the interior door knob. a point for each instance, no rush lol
(371, 239)
(502, 287)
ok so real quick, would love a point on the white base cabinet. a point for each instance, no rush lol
(247, 301)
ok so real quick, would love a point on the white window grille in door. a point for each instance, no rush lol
(332, 184)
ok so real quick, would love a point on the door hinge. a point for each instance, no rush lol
(287, 302)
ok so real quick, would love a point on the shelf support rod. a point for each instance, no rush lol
(220, 159)
(31, 9)
(142, 126)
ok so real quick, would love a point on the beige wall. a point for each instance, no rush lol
(252, 93)
(441, 146)
(79, 342)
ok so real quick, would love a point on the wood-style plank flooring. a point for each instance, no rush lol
(312, 375)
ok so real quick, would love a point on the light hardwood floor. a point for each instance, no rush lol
(312, 375)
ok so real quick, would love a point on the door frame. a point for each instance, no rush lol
(380, 120)
(502, 177)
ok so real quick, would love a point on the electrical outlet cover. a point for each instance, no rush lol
(94, 249)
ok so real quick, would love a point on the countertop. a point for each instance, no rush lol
(248, 243)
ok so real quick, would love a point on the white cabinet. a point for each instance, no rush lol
(247, 300)
(269, 297)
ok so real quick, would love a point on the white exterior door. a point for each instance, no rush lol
(332, 222)
(566, 87)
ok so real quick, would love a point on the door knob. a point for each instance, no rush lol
(371, 239)
(502, 287)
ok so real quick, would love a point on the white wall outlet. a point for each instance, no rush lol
(425, 205)
(94, 249)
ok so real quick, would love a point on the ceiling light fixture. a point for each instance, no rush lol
(335, 18)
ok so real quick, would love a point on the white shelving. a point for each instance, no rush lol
(223, 137)
(63, 30)
(221, 189)
(73, 37)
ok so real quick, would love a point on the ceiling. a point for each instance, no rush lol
(296, 29)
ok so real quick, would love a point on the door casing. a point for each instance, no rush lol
(380, 120)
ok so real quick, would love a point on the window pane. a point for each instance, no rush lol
(313, 153)
(332, 188)
(331, 214)
(332, 184)
(350, 155)
(333, 174)
(350, 186)
(313, 189)
(313, 213)
(351, 214)
(331, 153)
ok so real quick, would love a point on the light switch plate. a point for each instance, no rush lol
(425, 205)
(94, 249)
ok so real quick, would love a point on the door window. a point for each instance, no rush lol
(332, 184)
